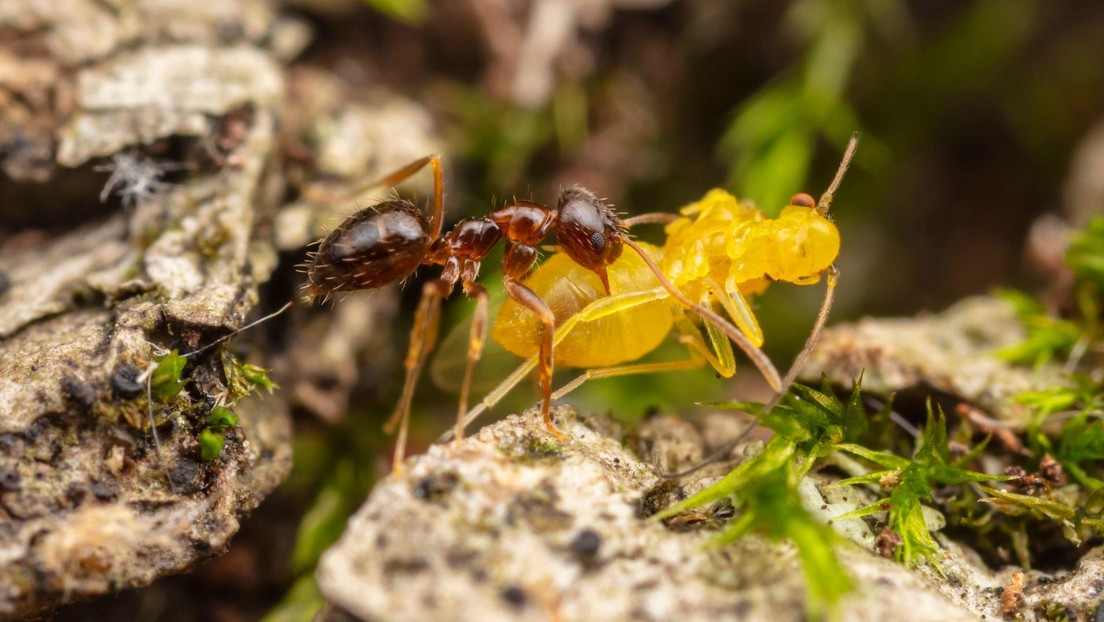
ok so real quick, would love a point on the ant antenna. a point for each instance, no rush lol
(845, 163)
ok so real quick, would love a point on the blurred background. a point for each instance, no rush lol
(977, 118)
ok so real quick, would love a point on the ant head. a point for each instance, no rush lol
(589, 231)
(378, 245)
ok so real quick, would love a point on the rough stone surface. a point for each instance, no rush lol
(89, 502)
(951, 352)
(511, 524)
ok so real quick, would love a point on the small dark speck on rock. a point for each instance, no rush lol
(78, 391)
(434, 487)
(586, 544)
(5, 282)
(124, 382)
(105, 490)
(9, 480)
(515, 596)
(184, 476)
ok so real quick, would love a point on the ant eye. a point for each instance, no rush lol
(802, 200)
(597, 242)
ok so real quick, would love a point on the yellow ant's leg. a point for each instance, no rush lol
(814, 335)
(739, 309)
(690, 336)
(718, 353)
(758, 358)
(597, 373)
(477, 338)
(423, 336)
(598, 309)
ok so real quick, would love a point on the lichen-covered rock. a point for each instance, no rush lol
(512, 524)
(90, 501)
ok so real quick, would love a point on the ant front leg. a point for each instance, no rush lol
(423, 336)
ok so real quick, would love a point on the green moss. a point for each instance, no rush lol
(210, 444)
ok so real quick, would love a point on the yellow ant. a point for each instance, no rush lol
(717, 253)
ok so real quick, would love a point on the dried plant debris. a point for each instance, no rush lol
(513, 524)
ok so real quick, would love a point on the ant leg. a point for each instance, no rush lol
(530, 300)
(791, 374)
(658, 218)
(739, 309)
(694, 362)
(422, 338)
(477, 338)
(718, 353)
(756, 355)
(814, 335)
(397, 177)
(598, 309)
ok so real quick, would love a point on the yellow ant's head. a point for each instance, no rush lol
(736, 245)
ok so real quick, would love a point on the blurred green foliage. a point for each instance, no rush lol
(407, 11)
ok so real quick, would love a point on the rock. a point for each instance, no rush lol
(951, 352)
(93, 498)
(512, 524)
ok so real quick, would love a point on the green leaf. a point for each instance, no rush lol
(210, 444)
(869, 478)
(165, 383)
(906, 517)
(776, 453)
(888, 460)
(771, 506)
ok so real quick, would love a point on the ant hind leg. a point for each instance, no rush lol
(423, 336)
(476, 340)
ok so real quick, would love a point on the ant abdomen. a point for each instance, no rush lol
(378, 245)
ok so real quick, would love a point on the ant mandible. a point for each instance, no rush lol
(386, 242)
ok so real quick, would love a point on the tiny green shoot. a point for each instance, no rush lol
(166, 383)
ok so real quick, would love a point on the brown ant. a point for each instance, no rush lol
(386, 242)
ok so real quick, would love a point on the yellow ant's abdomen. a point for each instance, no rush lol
(567, 287)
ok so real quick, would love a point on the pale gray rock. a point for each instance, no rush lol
(512, 524)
